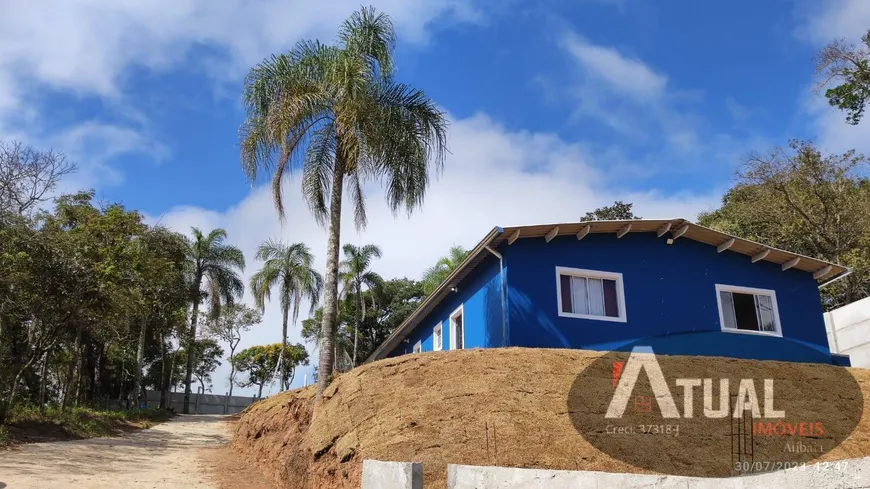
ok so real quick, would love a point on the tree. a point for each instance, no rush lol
(27, 176)
(850, 66)
(261, 362)
(90, 297)
(290, 268)
(434, 275)
(354, 273)
(619, 211)
(158, 278)
(206, 354)
(397, 299)
(340, 113)
(801, 200)
(215, 266)
(228, 327)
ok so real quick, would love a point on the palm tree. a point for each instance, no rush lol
(354, 273)
(214, 265)
(436, 274)
(336, 113)
(288, 267)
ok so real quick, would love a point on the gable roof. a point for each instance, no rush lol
(670, 228)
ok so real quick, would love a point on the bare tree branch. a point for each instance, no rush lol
(28, 175)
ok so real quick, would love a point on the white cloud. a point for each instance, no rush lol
(492, 177)
(831, 131)
(88, 49)
(835, 19)
(85, 46)
(626, 94)
(628, 75)
(825, 22)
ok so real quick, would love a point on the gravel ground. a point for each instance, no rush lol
(169, 455)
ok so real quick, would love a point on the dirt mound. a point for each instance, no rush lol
(508, 407)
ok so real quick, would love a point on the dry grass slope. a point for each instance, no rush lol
(504, 407)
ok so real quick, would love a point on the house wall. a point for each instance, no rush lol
(480, 297)
(849, 331)
(670, 298)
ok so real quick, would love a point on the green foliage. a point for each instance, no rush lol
(212, 270)
(206, 359)
(850, 66)
(619, 211)
(434, 275)
(801, 200)
(354, 274)
(397, 299)
(290, 267)
(337, 113)
(89, 297)
(260, 363)
(77, 422)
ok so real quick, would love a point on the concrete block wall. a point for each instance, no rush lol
(849, 331)
(392, 475)
(854, 473)
(207, 403)
(840, 475)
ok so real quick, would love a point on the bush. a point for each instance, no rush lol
(26, 422)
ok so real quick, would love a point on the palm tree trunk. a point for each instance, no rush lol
(330, 292)
(72, 369)
(356, 320)
(164, 373)
(42, 374)
(191, 338)
(140, 360)
(285, 310)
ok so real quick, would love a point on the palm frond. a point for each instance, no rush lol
(404, 131)
(318, 171)
(370, 34)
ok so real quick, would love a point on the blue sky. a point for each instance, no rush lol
(556, 107)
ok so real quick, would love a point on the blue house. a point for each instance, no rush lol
(681, 288)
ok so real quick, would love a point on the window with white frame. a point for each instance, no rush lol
(457, 330)
(418, 346)
(590, 294)
(747, 310)
(437, 338)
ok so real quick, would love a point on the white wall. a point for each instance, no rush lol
(849, 331)
(407, 475)
(836, 475)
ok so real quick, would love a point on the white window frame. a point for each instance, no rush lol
(581, 272)
(459, 312)
(754, 291)
(440, 328)
(418, 347)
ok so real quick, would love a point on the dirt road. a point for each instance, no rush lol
(166, 456)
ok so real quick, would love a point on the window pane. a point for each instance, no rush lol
(744, 311)
(436, 337)
(611, 302)
(765, 312)
(596, 296)
(565, 292)
(578, 291)
(459, 343)
(728, 310)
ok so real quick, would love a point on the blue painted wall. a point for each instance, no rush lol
(670, 298)
(480, 297)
